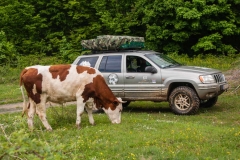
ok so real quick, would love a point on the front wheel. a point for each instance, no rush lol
(184, 101)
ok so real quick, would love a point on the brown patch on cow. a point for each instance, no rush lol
(59, 70)
(21, 74)
(30, 79)
(102, 94)
(81, 69)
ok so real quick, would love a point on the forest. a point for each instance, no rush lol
(56, 27)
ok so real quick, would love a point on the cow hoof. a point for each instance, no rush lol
(78, 127)
(49, 129)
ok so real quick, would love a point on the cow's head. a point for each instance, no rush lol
(115, 114)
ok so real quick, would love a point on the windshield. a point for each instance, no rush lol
(162, 60)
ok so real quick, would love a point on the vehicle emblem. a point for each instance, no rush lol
(112, 79)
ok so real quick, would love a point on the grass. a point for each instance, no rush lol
(10, 93)
(148, 131)
(220, 62)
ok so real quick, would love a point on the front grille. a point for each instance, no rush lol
(219, 77)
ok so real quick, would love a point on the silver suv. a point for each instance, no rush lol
(140, 75)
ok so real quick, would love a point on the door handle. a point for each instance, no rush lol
(130, 77)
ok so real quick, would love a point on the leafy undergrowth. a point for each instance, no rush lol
(148, 131)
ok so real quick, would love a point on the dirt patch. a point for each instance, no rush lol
(233, 78)
(8, 108)
(17, 107)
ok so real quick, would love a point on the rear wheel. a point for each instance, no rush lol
(209, 103)
(126, 104)
(184, 101)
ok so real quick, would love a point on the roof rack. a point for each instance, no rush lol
(112, 51)
(112, 42)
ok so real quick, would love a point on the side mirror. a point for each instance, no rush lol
(150, 69)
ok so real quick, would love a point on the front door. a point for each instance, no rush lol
(111, 66)
(138, 83)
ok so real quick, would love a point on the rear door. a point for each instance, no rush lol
(111, 66)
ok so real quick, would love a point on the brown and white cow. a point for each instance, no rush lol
(65, 83)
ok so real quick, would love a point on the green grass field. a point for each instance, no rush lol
(148, 131)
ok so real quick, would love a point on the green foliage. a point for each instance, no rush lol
(56, 28)
(192, 28)
(8, 51)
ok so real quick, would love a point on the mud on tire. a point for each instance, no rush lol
(184, 101)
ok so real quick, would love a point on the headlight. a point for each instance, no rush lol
(207, 79)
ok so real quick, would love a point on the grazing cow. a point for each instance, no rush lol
(65, 83)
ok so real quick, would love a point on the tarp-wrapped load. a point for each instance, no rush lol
(111, 42)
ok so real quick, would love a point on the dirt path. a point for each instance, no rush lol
(17, 107)
(8, 108)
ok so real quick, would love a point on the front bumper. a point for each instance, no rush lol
(207, 91)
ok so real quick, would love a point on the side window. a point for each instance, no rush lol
(111, 64)
(91, 60)
(136, 64)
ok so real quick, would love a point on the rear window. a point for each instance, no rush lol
(91, 60)
(110, 64)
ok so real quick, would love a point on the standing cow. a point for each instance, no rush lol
(65, 83)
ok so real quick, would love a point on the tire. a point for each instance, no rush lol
(126, 104)
(208, 103)
(184, 101)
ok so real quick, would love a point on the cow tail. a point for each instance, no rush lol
(23, 96)
(24, 102)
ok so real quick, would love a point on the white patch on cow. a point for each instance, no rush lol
(90, 106)
(85, 63)
(115, 115)
(34, 90)
(67, 90)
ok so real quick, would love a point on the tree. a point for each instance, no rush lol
(198, 26)
(8, 52)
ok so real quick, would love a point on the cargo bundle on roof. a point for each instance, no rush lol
(112, 42)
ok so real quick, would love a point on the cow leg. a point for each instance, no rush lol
(80, 110)
(30, 113)
(41, 111)
(89, 107)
